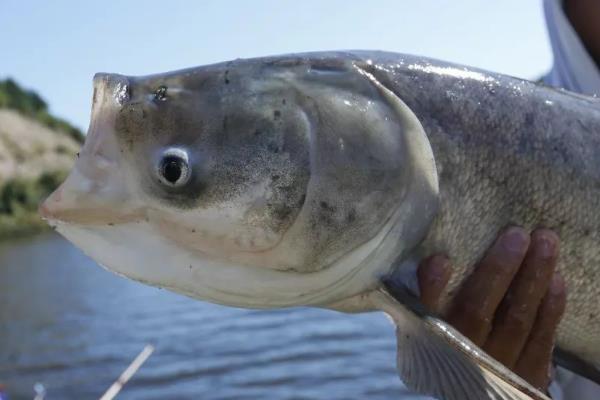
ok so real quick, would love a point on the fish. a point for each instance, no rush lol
(320, 179)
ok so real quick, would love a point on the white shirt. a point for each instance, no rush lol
(575, 70)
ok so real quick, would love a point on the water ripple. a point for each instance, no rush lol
(74, 327)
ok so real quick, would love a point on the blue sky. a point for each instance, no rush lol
(55, 47)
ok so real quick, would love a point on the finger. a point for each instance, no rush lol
(476, 302)
(517, 312)
(433, 275)
(536, 357)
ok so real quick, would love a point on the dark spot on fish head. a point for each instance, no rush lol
(225, 123)
(529, 120)
(586, 232)
(95, 96)
(282, 211)
(301, 200)
(160, 94)
(351, 217)
(273, 147)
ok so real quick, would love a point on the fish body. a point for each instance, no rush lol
(305, 179)
(512, 152)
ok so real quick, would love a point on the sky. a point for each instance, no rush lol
(55, 47)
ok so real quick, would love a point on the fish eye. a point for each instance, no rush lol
(173, 168)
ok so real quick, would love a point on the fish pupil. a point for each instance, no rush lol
(172, 169)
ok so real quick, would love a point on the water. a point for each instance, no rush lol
(74, 327)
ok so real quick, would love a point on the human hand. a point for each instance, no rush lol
(510, 305)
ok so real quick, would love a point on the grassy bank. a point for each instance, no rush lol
(36, 150)
(30, 104)
(19, 200)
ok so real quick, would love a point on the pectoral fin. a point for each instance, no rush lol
(437, 360)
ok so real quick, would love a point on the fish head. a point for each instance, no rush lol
(257, 183)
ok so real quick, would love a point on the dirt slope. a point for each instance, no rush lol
(28, 148)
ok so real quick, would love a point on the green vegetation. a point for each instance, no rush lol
(32, 105)
(20, 197)
(19, 200)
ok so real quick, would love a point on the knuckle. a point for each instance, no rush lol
(557, 303)
(473, 312)
(502, 271)
(541, 346)
(506, 267)
(545, 243)
(518, 320)
(552, 315)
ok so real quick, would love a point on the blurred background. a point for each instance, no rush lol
(71, 326)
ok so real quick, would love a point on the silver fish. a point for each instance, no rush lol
(310, 179)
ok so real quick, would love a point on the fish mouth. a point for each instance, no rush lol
(82, 202)
(98, 190)
(54, 216)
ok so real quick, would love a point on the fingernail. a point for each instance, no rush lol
(439, 267)
(546, 243)
(557, 285)
(514, 240)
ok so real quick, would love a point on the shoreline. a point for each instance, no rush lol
(21, 225)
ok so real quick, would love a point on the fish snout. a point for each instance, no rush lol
(76, 198)
(46, 209)
(52, 208)
(96, 190)
(59, 202)
(102, 198)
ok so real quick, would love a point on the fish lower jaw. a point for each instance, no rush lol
(137, 252)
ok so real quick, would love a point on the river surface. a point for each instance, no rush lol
(74, 327)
